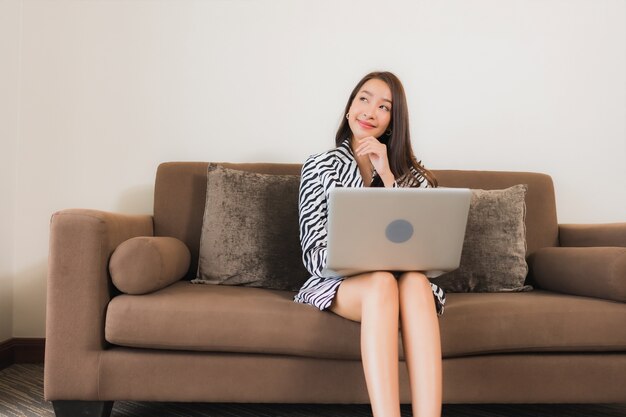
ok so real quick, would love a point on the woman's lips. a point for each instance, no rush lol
(365, 125)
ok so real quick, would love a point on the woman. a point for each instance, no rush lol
(374, 149)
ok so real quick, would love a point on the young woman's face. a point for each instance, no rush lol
(370, 111)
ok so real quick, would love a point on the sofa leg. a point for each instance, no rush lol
(82, 408)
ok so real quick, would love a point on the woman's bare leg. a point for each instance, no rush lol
(372, 299)
(422, 343)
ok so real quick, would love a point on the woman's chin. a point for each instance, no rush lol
(361, 135)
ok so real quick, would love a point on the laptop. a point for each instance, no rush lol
(396, 229)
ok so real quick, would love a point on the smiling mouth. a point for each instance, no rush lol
(365, 125)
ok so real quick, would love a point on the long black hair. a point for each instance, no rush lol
(399, 150)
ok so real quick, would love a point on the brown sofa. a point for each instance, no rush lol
(564, 342)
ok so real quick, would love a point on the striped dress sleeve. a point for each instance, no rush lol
(312, 217)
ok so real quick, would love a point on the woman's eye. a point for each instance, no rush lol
(363, 99)
(386, 108)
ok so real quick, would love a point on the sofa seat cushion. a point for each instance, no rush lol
(225, 318)
(221, 318)
(537, 321)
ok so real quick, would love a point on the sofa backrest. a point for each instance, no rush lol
(180, 194)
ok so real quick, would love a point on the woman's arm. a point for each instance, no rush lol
(312, 218)
(377, 154)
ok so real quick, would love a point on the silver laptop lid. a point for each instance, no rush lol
(396, 229)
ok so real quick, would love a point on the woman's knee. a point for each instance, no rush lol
(373, 288)
(349, 297)
(414, 282)
(382, 287)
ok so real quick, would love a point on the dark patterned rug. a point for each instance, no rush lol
(21, 395)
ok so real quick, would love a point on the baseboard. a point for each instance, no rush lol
(6, 353)
(22, 350)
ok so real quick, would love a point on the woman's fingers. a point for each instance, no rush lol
(376, 151)
(369, 149)
(370, 145)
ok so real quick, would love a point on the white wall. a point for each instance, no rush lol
(9, 70)
(110, 89)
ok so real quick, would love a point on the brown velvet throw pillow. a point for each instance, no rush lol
(145, 264)
(250, 232)
(494, 251)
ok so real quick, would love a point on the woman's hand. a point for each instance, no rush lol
(377, 153)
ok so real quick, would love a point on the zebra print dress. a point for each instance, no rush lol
(320, 173)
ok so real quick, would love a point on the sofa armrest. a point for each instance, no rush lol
(592, 272)
(81, 242)
(608, 234)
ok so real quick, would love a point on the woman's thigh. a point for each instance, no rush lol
(352, 290)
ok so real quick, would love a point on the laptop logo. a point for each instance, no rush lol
(399, 231)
